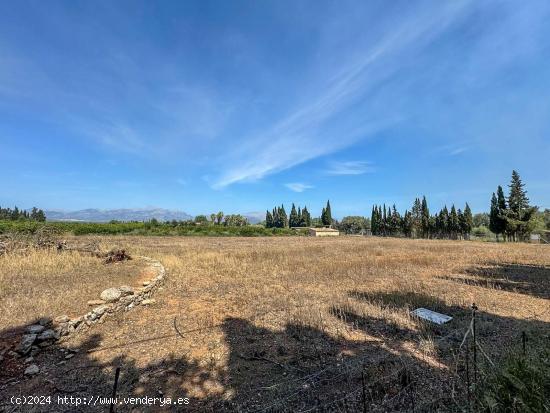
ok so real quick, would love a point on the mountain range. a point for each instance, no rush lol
(125, 214)
(106, 215)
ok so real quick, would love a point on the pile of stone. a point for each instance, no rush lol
(37, 336)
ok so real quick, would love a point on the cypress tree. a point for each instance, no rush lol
(454, 226)
(306, 217)
(468, 221)
(284, 217)
(494, 216)
(501, 212)
(425, 223)
(293, 218)
(373, 221)
(268, 220)
(326, 216)
(276, 218)
(444, 215)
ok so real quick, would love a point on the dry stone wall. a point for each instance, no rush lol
(111, 301)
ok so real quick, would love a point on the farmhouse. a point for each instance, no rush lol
(323, 232)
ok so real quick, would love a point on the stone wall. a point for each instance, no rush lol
(112, 300)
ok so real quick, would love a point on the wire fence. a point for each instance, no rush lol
(306, 391)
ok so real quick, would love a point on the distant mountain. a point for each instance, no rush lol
(255, 217)
(106, 215)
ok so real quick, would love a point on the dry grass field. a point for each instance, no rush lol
(283, 324)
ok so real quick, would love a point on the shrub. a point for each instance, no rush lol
(521, 384)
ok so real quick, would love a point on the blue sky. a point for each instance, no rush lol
(237, 106)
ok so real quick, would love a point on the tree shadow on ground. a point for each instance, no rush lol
(295, 368)
(531, 280)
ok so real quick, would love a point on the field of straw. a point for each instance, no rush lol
(285, 324)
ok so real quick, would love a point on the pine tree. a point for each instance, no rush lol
(519, 216)
(517, 200)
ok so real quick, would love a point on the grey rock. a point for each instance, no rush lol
(61, 319)
(32, 370)
(149, 301)
(26, 343)
(69, 356)
(101, 309)
(44, 321)
(35, 329)
(126, 290)
(29, 359)
(47, 335)
(111, 294)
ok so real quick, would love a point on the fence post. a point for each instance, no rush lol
(364, 394)
(117, 373)
(468, 375)
(474, 309)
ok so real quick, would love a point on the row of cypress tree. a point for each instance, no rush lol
(17, 214)
(418, 222)
(279, 219)
(300, 217)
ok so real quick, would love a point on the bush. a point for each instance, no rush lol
(481, 232)
(521, 384)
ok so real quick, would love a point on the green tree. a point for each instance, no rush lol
(201, 219)
(326, 215)
(268, 220)
(517, 200)
(293, 218)
(353, 225)
(494, 216)
(235, 220)
(425, 223)
(481, 219)
(454, 225)
(467, 221)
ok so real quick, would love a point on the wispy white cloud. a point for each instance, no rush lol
(306, 134)
(453, 149)
(349, 168)
(298, 187)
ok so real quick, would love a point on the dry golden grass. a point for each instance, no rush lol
(43, 283)
(254, 315)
